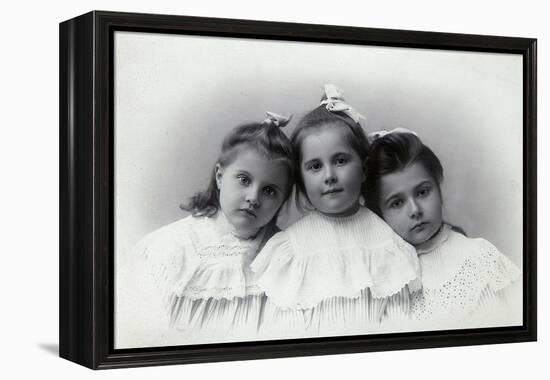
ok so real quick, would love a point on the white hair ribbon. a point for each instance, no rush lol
(276, 120)
(373, 136)
(335, 103)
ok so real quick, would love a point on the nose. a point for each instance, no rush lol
(252, 198)
(415, 210)
(330, 176)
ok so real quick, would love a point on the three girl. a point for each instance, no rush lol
(466, 282)
(342, 269)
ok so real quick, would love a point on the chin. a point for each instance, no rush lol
(331, 211)
(421, 239)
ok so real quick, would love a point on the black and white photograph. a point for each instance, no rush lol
(270, 190)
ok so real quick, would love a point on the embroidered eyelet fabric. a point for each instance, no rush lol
(465, 283)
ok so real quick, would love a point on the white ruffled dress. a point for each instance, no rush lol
(467, 283)
(333, 276)
(200, 272)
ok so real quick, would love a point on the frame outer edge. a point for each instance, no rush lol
(66, 323)
(530, 161)
(76, 198)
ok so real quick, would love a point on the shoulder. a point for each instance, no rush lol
(482, 259)
(172, 230)
(375, 229)
(471, 247)
(364, 227)
(179, 236)
(500, 270)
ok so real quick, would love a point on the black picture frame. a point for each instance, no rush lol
(86, 188)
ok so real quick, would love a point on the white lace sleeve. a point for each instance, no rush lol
(467, 283)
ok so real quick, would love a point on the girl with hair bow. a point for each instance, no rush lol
(467, 282)
(334, 271)
(194, 284)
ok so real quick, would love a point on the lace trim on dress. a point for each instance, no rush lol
(199, 257)
(479, 276)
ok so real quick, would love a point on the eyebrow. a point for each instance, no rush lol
(275, 185)
(342, 154)
(334, 155)
(391, 198)
(244, 172)
(309, 161)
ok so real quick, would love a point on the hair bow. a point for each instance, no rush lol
(373, 136)
(334, 102)
(276, 120)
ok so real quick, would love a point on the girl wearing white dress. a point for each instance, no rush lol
(194, 284)
(466, 282)
(332, 272)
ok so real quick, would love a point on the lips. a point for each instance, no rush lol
(419, 226)
(332, 191)
(247, 212)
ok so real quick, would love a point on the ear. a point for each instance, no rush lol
(218, 174)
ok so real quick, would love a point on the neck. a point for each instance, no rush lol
(244, 234)
(241, 233)
(348, 212)
(431, 243)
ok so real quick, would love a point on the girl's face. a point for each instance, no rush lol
(252, 189)
(410, 202)
(332, 171)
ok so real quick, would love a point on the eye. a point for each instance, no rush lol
(243, 179)
(424, 192)
(341, 160)
(314, 166)
(270, 191)
(396, 204)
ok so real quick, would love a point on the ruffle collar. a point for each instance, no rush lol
(313, 261)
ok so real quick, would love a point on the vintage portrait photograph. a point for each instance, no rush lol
(270, 189)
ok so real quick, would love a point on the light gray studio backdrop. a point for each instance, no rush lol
(177, 96)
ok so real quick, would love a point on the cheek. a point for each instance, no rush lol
(354, 173)
(230, 191)
(436, 205)
(308, 180)
(394, 219)
(438, 210)
(270, 206)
